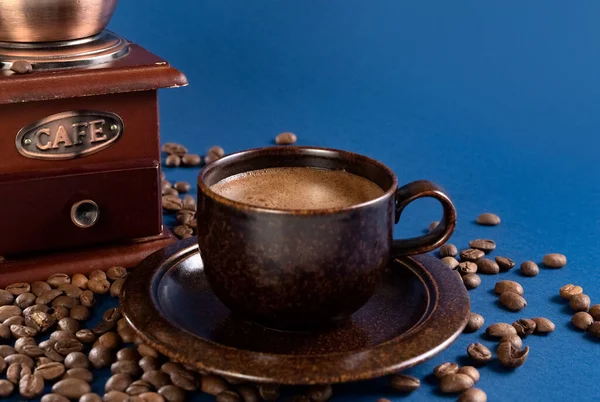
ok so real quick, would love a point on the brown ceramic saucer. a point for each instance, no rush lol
(418, 311)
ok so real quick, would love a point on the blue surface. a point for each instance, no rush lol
(496, 101)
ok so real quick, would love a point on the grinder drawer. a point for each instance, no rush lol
(88, 206)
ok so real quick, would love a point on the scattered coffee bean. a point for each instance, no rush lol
(543, 325)
(36, 308)
(582, 320)
(16, 371)
(117, 287)
(6, 298)
(80, 281)
(471, 254)
(70, 290)
(184, 379)
(504, 286)
(97, 274)
(40, 361)
(580, 302)
(118, 382)
(21, 67)
(80, 374)
(80, 313)
(170, 191)
(25, 300)
(6, 350)
(570, 290)
(124, 366)
(101, 357)
(554, 260)
(594, 329)
(467, 267)
(39, 287)
(505, 263)
(228, 396)
(22, 342)
(217, 150)
(76, 360)
(510, 356)
(445, 369)
(145, 350)
(524, 327)
(171, 203)
(104, 327)
(150, 363)
(450, 262)
(432, 226)
(58, 279)
(487, 266)
(403, 383)
(269, 392)
(116, 396)
(471, 281)
(114, 273)
(471, 372)
(128, 354)
(286, 138)
(173, 148)
(152, 397)
(448, 250)
(512, 301)
(172, 393)
(4, 332)
(157, 378)
(191, 160)
(17, 289)
(85, 336)
(68, 324)
(98, 286)
(475, 322)
(31, 386)
(472, 395)
(33, 351)
(9, 311)
(6, 388)
(109, 340)
(500, 329)
(54, 398)
(87, 298)
(183, 231)
(513, 339)
(51, 371)
(16, 320)
(59, 312)
(112, 314)
(71, 388)
(90, 397)
(484, 245)
(189, 203)
(322, 393)
(182, 186)
(479, 353)
(61, 335)
(48, 296)
(68, 346)
(20, 358)
(529, 268)
(488, 219)
(455, 383)
(595, 312)
(173, 161)
(383, 400)
(65, 301)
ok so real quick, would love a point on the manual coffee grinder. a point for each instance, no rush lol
(79, 141)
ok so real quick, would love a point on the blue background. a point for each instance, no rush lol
(496, 101)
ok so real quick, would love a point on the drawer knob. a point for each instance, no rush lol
(84, 214)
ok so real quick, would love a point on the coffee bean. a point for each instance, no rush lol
(70, 290)
(39, 287)
(510, 356)
(116, 272)
(472, 395)
(25, 300)
(51, 371)
(467, 267)
(24, 341)
(524, 327)
(220, 152)
(125, 366)
(112, 315)
(76, 360)
(475, 322)
(488, 219)
(52, 354)
(68, 346)
(118, 382)
(450, 262)
(191, 160)
(487, 266)
(471, 372)
(17, 289)
(152, 397)
(98, 286)
(211, 157)
(16, 320)
(448, 250)
(117, 287)
(471, 254)
(170, 367)
(87, 298)
(505, 285)
(19, 358)
(484, 245)
(157, 378)
(65, 301)
(554, 260)
(6, 350)
(40, 361)
(80, 313)
(125, 331)
(286, 138)
(85, 336)
(48, 296)
(90, 397)
(445, 369)
(116, 396)
(184, 379)
(172, 148)
(167, 189)
(185, 217)
(9, 311)
(500, 329)
(148, 363)
(471, 281)
(455, 383)
(211, 384)
(16, 371)
(80, 374)
(6, 388)
(268, 392)
(512, 301)
(138, 387)
(54, 398)
(71, 388)
(432, 226)
(182, 186)
(109, 340)
(33, 351)
(61, 335)
(97, 274)
(80, 281)
(128, 354)
(42, 308)
(59, 312)
(103, 327)
(594, 329)
(31, 386)
(505, 263)
(183, 232)
(171, 203)
(570, 290)
(322, 393)
(529, 268)
(189, 203)
(6, 298)
(479, 353)
(4, 332)
(595, 312)
(514, 339)
(582, 320)
(172, 393)
(3, 364)
(543, 325)
(101, 357)
(58, 279)
(21, 67)
(228, 396)
(173, 161)
(68, 324)
(578, 302)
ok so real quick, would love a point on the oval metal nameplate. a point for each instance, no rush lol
(69, 135)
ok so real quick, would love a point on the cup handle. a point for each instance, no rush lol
(422, 244)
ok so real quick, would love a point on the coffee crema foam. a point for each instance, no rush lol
(298, 188)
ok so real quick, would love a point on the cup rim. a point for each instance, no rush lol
(298, 150)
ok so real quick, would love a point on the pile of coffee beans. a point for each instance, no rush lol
(454, 379)
(178, 155)
(585, 317)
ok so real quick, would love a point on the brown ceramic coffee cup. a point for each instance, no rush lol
(306, 269)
